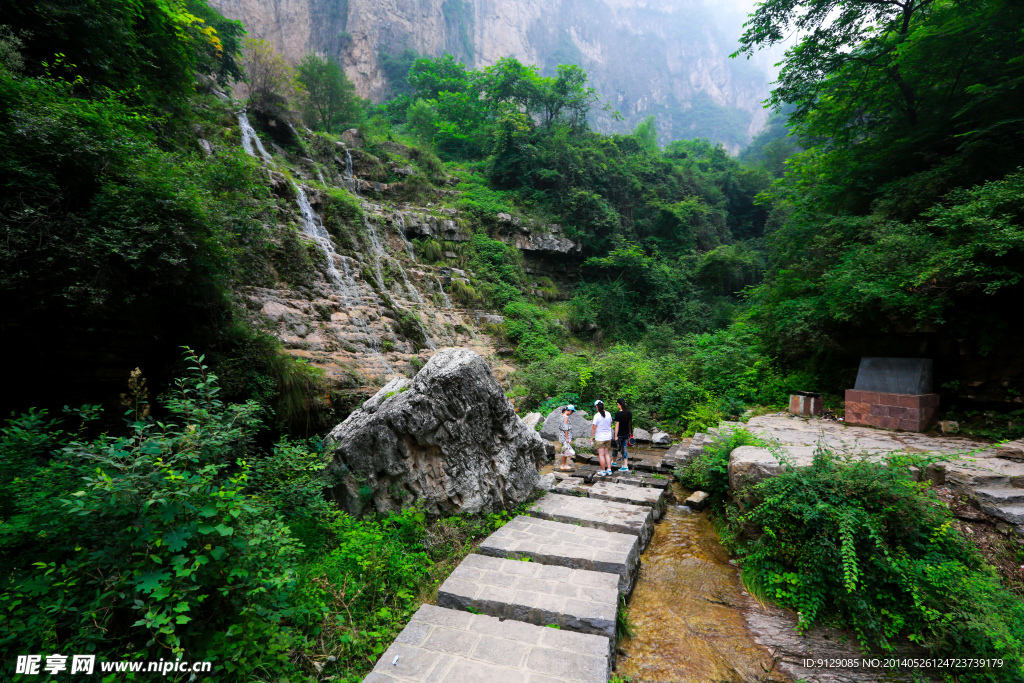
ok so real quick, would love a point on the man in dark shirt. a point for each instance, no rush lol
(623, 430)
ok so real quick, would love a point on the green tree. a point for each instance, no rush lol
(270, 79)
(330, 97)
(431, 77)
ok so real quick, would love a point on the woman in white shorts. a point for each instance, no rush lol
(601, 433)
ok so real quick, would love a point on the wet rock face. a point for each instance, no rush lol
(448, 438)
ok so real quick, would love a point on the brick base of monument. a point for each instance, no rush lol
(909, 412)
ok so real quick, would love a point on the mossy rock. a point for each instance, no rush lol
(296, 260)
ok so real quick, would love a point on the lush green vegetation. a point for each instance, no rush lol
(184, 536)
(880, 211)
(856, 544)
(903, 217)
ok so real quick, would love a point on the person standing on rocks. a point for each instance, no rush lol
(623, 430)
(601, 433)
(565, 435)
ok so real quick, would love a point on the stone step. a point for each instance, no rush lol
(570, 486)
(675, 456)
(660, 482)
(1014, 514)
(450, 646)
(622, 518)
(649, 464)
(632, 495)
(568, 545)
(575, 599)
(1000, 496)
(970, 475)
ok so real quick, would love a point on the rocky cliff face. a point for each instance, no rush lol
(348, 293)
(668, 58)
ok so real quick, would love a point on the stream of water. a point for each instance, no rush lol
(343, 284)
(687, 610)
(251, 142)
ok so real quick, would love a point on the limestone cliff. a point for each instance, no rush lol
(663, 57)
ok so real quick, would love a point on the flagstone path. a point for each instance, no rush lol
(495, 611)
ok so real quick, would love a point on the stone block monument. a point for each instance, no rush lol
(806, 403)
(893, 393)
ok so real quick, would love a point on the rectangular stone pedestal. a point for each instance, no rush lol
(806, 404)
(909, 412)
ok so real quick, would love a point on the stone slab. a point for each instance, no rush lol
(640, 480)
(567, 545)
(586, 472)
(650, 463)
(574, 599)
(1014, 514)
(450, 646)
(895, 375)
(633, 495)
(620, 518)
(570, 486)
(1000, 495)
(844, 438)
(676, 455)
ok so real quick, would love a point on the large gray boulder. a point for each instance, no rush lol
(448, 438)
(580, 424)
(532, 419)
(660, 439)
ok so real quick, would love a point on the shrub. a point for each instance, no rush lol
(429, 249)
(154, 544)
(857, 544)
(462, 292)
(532, 330)
(343, 217)
(709, 472)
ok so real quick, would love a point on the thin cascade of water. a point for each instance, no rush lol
(376, 248)
(408, 285)
(405, 238)
(343, 283)
(320, 175)
(349, 180)
(378, 253)
(444, 295)
(251, 142)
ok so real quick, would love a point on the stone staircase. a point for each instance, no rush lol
(539, 603)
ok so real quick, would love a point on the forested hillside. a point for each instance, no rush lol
(178, 507)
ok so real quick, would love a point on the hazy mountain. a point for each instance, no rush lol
(663, 57)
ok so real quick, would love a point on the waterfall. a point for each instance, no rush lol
(350, 182)
(250, 141)
(375, 247)
(408, 286)
(444, 295)
(321, 176)
(378, 253)
(343, 284)
(405, 238)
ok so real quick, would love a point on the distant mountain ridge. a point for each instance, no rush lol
(668, 58)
